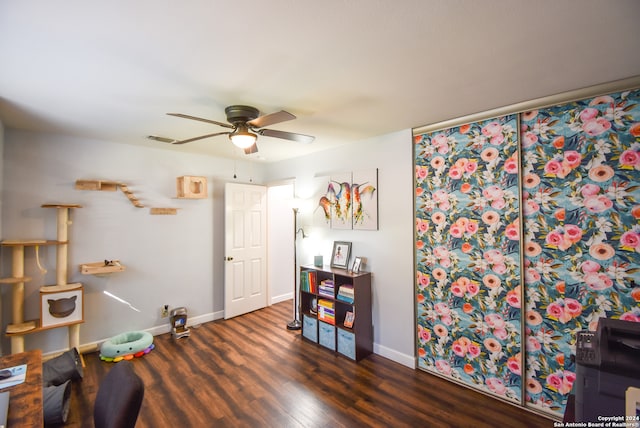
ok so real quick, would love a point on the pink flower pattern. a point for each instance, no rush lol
(587, 161)
(469, 255)
(580, 233)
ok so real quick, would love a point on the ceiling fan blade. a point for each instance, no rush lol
(251, 149)
(215, 122)
(270, 119)
(200, 137)
(161, 139)
(300, 138)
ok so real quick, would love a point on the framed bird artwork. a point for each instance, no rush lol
(350, 200)
(364, 199)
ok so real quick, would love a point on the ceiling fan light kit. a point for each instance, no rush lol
(242, 138)
(246, 124)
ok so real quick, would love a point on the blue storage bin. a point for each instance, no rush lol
(347, 344)
(310, 328)
(327, 335)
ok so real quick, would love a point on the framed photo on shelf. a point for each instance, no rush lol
(348, 319)
(357, 265)
(340, 255)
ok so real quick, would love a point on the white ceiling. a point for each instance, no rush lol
(348, 69)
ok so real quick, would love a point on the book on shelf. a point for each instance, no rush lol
(312, 281)
(345, 293)
(328, 320)
(326, 311)
(326, 304)
(325, 293)
(327, 317)
(326, 288)
(349, 318)
(304, 282)
(308, 281)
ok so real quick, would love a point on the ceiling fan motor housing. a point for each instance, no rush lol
(241, 114)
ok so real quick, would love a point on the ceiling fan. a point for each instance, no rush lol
(246, 124)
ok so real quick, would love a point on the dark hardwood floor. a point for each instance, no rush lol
(251, 371)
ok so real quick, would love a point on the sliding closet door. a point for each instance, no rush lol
(581, 186)
(468, 256)
(580, 257)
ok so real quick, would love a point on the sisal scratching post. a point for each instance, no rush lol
(62, 267)
(63, 247)
(62, 264)
(17, 270)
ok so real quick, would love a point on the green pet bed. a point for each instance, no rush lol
(126, 346)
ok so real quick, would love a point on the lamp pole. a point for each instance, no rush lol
(295, 324)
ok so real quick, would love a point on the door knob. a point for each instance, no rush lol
(228, 258)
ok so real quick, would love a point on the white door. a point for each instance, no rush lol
(245, 273)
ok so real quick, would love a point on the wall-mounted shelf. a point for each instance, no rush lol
(100, 268)
(109, 186)
(101, 185)
(163, 211)
(129, 194)
(191, 187)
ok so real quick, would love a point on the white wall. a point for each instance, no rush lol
(178, 260)
(388, 250)
(175, 260)
(280, 237)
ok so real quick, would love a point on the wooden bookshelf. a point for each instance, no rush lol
(324, 324)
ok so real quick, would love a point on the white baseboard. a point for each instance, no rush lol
(281, 298)
(200, 319)
(393, 355)
(155, 331)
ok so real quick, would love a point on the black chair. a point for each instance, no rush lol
(119, 398)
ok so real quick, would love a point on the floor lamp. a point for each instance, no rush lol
(295, 324)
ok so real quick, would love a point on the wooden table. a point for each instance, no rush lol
(25, 400)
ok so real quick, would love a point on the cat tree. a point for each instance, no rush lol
(61, 304)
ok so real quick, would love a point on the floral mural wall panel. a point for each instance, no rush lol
(364, 199)
(581, 203)
(468, 255)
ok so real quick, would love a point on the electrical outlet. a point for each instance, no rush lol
(164, 311)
